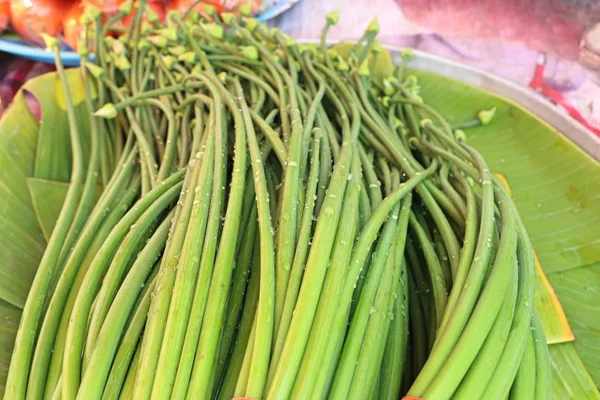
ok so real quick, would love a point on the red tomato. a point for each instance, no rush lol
(31, 18)
(156, 6)
(4, 14)
(182, 6)
(72, 28)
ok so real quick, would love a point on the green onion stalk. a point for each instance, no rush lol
(276, 220)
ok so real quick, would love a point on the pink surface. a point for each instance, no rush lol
(14, 72)
(545, 25)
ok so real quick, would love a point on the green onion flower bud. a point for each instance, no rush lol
(143, 44)
(193, 17)
(424, 122)
(308, 47)
(407, 54)
(50, 41)
(197, 69)
(126, 7)
(118, 47)
(376, 47)
(214, 30)
(250, 52)
(82, 47)
(170, 33)
(146, 28)
(364, 69)
(486, 116)
(151, 16)
(273, 32)
(188, 57)
(460, 136)
(289, 41)
(158, 41)
(92, 11)
(246, 9)
(251, 24)
(373, 27)
(209, 9)
(177, 50)
(342, 65)
(85, 20)
(410, 81)
(333, 17)
(172, 14)
(107, 111)
(96, 71)
(389, 83)
(228, 18)
(122, 63)
(169, 61)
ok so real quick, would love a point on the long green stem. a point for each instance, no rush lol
(215, 305)
(146, 208)
(16, 382)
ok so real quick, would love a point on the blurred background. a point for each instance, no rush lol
(552, 46)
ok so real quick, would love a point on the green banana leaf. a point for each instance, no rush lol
(28, 153)
(555, 186)
(553, 318)
(47, 197)
(570, 379)
(579, 292)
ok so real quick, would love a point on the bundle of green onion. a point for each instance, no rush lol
(277, 220)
